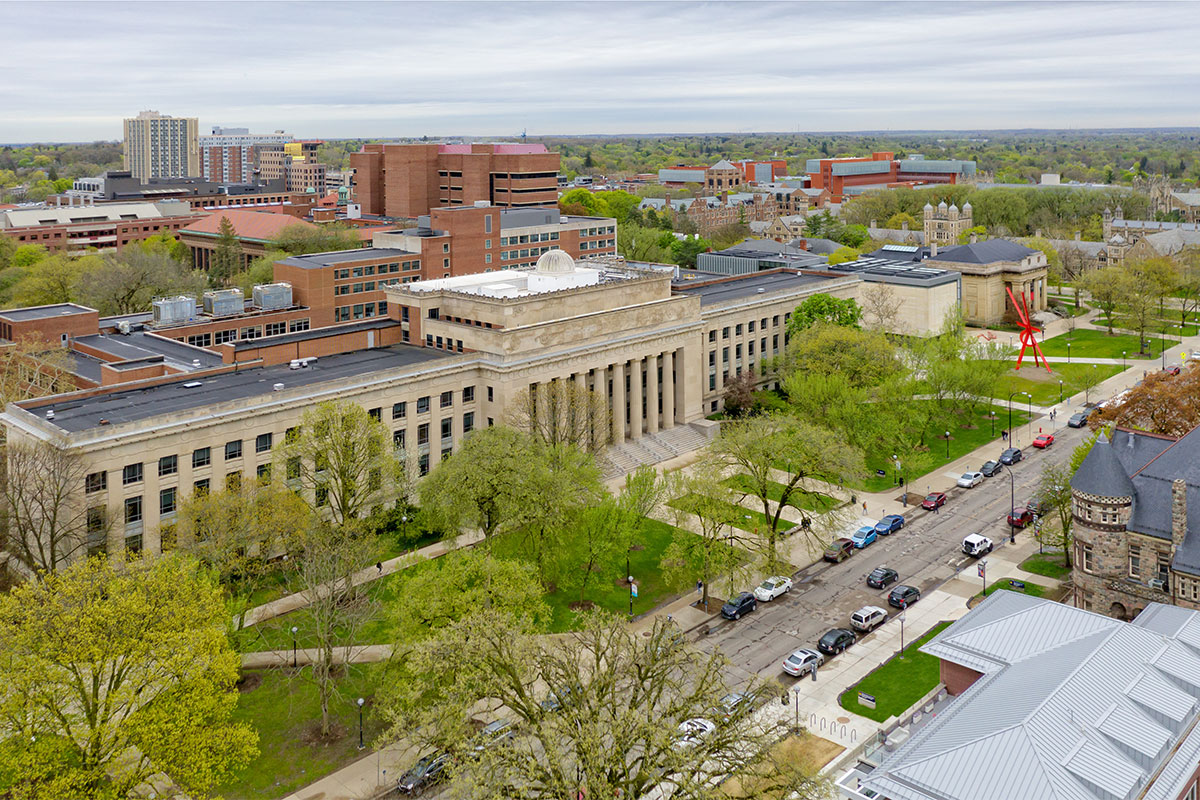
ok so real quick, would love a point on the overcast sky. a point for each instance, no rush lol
(72, 71)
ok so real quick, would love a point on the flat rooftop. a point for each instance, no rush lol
(885, 270)
(315, 333)
(521, 282)
(139, 344)
(44, 312)
(181, 396)
(320, 260)
(742, 286)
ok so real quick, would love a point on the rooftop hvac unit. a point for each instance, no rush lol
(173, 310)
(273, 296)
(224, 302)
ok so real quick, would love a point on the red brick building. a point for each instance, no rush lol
(850, 176)
(407, 180)
(254, 231)
(76, 229)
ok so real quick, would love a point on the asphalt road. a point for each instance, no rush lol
(926, 552)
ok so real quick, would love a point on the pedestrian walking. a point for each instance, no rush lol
(864, 508)
(699, 586)
(1004, 436)
(379, 567)
(937, 510)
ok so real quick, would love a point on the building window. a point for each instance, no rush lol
(97, 537)
(1086, 558)
(200, 488)
(233, 481)
(489, 394)
(233, 449)
(423, 405)
(1164, 567)
(166, 501)
(96, 482)
(293, 468)
(423, 464)
(447, 428)
(399, 410)
(168, 465)
(398, 439)
(131, 474)
(133, 509)
(447, 399)
(276, 328)
(725, 332)
(712, 335)
(263, 473)
(201, 457)
(468, 424)
(262, 443)
(1135, 562)
(423, 433)
(375, 413)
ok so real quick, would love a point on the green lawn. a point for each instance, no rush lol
(1044, 385)
(1156, 326)
(1049, 564)
(1098, 344)
(286, 712)
(816, 503)
(963, 439)
(742, 518)
(898, 683)
(1005, 584)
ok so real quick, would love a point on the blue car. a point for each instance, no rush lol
(889, 524)
(863, 536)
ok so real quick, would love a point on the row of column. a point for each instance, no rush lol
(663, 399)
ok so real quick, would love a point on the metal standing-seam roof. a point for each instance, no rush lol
(1072, 705)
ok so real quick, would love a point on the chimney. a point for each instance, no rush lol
(1037, 232)
(903, 226)
(974, 238)
(933, 249)
(1178, 513)
(1078, 235)
(873, 225)
(724, 198)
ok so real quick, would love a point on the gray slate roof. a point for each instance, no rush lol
(988, 251)
(1102, 473)
(1072, 705)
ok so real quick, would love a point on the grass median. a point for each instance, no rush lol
(1098, 344)
(897, 684)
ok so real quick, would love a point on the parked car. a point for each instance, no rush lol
(989, 468)
(839, 550)
(970, 479)
(889, 524)
(863, 536)
(731, 705)
(1010, 456)
(1020, 517)
(904, 596)
(933, 500)
(976, 544)
(1174, 369)
(744, 603)
(1035, 506)
(428, 770)
(836, 640)
(1079, 420)
(557, 698)
(771, 588)
(494, 733)
(801, 662)
(868, 618)
(1043, 441)
(880, 577)
(693, 730)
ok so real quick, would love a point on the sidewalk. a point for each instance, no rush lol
(292, 602)
(353, 654)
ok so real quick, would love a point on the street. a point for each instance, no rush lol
(925, 552)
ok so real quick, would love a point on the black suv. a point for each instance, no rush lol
(881, 577)
(835, 641)
(1010, 456)
(990, 468)
(427, 771)
(904, 596)
(744, 603)
(1079, 420)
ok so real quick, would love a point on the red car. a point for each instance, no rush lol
(934, 500)
(1044, 441)
(1020, 517)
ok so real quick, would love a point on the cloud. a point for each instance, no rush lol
(405, 69)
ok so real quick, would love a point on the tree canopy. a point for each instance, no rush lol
(825, 308)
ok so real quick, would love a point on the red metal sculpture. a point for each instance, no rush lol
(1028, 331)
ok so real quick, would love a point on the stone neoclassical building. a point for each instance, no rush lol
(988, 269)
(945, 224)
(452, 355)
(1136, 508)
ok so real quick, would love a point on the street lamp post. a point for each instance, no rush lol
(629, 580)
(902, 633)
(360, 727)
(1012, 502)
(993, 416)
(1123, 359)
(1029, 397)
(1060, 390)
(1010, 397)
(983, 574)
(294, 629)
(1068, 352)
(947, 445)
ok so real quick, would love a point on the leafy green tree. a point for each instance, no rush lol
(1054, 493)
(111, 673)
(298, 240)
(814, 458)
(26, 255)
(126, 281)
(343, 462)
(900, 218)
(612, 729)
(706, 543)
(978, 231)
(1107, 287)
(855, 236)
(684, 251)
(227, 257)
(843, 255)
(8, 247)
(52, 280)
(866, 358)
(826, 308)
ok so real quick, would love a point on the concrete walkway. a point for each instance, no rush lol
(299, 600)
(306, 656)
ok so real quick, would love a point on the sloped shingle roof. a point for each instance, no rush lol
(260, 225)
(988, 251)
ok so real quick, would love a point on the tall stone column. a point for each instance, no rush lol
(635, 398)
(652, 394)
(618, 402)
(668, 390)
